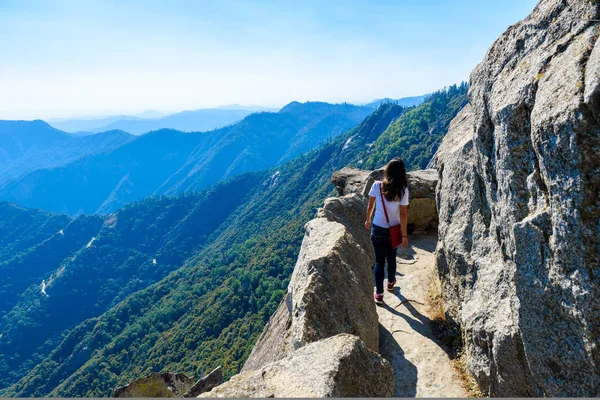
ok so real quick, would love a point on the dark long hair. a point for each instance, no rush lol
(394, 180)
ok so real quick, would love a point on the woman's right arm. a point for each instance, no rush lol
(404, 223)
(370, 210)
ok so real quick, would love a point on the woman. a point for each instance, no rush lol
(394, 189)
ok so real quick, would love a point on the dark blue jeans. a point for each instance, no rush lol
(382, 243)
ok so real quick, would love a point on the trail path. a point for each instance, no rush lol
(421, 365)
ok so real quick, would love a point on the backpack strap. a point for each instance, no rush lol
(383, 202)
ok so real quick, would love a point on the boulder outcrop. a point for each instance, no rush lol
(339, 366)
(166, 384)
(519, 208)
(350, 180)
(336, 252)
(314, 308)
(322, 341)
(206, 383)
(422, 215)
(169, 384)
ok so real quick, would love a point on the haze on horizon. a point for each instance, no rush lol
(68, 58)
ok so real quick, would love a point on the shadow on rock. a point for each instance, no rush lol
(446, 336)
(405, 372)
(426, 243)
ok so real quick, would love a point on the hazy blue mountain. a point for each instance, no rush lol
(19, 137)
(29, 145)
(247, 108)
(91, 124)
(187, 121)
(87, 125)
(151, 114)
(404, 101)
(170, 162)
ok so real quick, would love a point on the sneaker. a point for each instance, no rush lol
(378, 298)
(390, 285)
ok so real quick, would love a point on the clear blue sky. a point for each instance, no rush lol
(79, 57)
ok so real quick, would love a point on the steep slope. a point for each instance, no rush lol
(210, 311)
(36, 250)
(94, 262)
(519, 207)
(21, 228)
(418, 136)
(170, 162)
(29, 145)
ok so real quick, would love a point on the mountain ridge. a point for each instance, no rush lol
(167, 161)
(199, 120)
(26, 146)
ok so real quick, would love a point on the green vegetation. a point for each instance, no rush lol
(96, 262)
(417, 135)
(230, 252)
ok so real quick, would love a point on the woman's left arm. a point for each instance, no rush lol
(404, 222)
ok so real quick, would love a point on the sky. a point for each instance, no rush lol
(69, 58)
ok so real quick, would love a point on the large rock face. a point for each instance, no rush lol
(518, 201)
(331, 257)
(339, 366)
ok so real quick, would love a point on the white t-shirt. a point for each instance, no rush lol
(392, 207)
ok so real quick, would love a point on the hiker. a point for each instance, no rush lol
(388, 200)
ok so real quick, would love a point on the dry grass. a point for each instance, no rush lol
(435, 298)
(468, 383)
(448, 333)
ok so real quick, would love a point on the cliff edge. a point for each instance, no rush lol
(324, 338)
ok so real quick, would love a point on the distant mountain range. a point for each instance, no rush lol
(160, 162)
(404, 101)
(29, 145)
(187, 121)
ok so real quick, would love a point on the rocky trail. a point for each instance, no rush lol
(421, 366)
